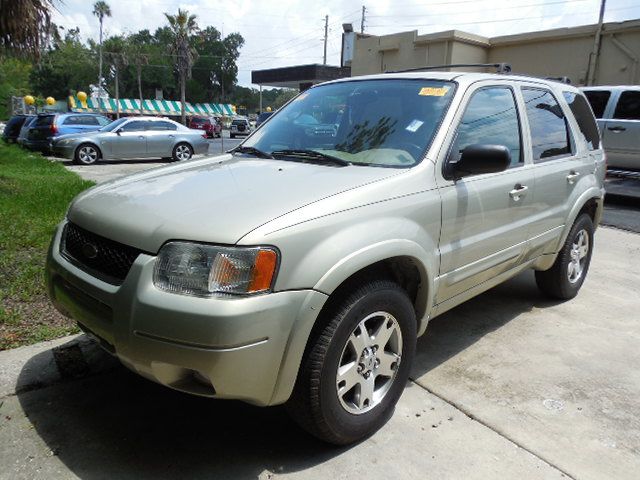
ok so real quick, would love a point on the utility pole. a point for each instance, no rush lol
(364, 13)
(326, 35)
(593, 58)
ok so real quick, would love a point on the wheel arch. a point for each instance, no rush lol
(590, 202)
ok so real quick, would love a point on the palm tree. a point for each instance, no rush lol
(101, 9)
(183, 26)
(25, 26)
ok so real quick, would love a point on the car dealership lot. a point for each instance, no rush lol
(508, 385)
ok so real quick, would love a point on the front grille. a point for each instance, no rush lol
(107, 259)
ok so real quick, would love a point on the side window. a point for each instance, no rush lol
(549, 130)
(582, 112)
(134, 126)
(89, 120)
(491, 118)
(72, 120)
(598, 100)
(162, 126)
(628, 107)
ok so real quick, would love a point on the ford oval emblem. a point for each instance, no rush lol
(89, 250)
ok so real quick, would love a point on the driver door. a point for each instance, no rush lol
(485, 217)
(131, 140)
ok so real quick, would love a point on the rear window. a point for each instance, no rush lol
(549, 130)
(581, 111)
(628, 107)
(43, 121)
(198, 121)
(598, 100)
(239, 122)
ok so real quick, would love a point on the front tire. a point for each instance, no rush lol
(86, 154)
(564, 279)
(182, 152)
(356, 364)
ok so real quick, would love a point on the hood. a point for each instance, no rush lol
(216, 200)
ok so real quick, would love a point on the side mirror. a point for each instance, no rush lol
(477, 159)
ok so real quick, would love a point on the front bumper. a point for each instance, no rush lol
(246, 348)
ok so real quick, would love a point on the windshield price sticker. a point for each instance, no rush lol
(433, 91)
(414, 125)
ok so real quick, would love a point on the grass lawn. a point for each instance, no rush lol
(34, 195)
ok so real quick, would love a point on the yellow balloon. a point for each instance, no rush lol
(82, 96)
(29, 100)
(233, 108)
(50, 100)
(268, 109)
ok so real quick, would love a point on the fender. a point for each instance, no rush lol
(591, 193)
(384, 250)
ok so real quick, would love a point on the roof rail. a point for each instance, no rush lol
(500, 67)
(566, 80)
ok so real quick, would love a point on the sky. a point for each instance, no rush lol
(280, 33)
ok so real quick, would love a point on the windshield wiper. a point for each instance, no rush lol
(251, 151)
(313, 155)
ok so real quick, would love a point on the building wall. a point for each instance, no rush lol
(553, 53)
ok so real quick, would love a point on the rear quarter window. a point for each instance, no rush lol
(43, 121)
(598, 100)
(584, 117)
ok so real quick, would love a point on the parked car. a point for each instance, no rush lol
(301, 267)
(48, 126)
(210, 125)
(133, 138)
(24, 130)
(12, 128)
(617, 110)
(240, 126)
(262, 117)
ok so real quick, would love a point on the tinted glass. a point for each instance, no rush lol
(162, 126)
(628, 107)
(103, 121)
(135, 126)
(198, 121)
(43, 121)
(388, 122)
(110, 127)
(582, 112)
(549, 132)
(491, 118)
(598, 100)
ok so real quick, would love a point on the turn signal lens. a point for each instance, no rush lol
(205, 270)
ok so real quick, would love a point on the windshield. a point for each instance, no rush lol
(388, 122)
(113, 125)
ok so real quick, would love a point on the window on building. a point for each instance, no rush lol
(628, 107)
(549, 130)
(491, 117)
(582, 112)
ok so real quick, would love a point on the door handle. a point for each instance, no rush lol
(518, 191)
(572, 177)
(616, 129)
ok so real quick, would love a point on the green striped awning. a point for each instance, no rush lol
(149, 107)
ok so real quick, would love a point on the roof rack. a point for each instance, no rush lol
(500, 67)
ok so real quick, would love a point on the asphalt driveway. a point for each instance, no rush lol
(508, 385)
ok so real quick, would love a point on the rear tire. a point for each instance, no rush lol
(86, 154)
(182, 152)
(356, 364)
(564, 279)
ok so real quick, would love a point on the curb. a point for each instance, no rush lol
(47, 363)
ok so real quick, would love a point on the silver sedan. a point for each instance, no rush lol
(132, 138)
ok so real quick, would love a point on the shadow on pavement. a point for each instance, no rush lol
(118, 425)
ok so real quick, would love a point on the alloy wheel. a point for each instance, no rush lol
(183, 152)
(578, 256)
(88, 154)
(369, 363)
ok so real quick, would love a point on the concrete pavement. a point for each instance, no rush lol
(509, 385)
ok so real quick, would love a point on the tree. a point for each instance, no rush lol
(183, 26)
(24, 26)
(101, 9)
(118, 58)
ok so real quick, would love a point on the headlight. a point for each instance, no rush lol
(205, 270)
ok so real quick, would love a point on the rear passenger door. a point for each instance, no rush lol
(559, 165)
(485, 217)
(622, 132)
